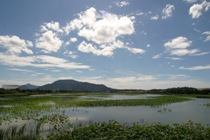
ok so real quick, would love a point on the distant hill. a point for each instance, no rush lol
(72, 85)
(28, 87)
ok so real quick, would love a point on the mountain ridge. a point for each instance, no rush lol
(28, 87)
(73, 85)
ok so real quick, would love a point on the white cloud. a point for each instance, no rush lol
(55, 26)
(20, 70)
(190, 1)
(207, 67)
(167, 11)
(70, 54)
(87, 18)
(208, 35)
(182, 52)
(157, 56)
(178, 46)
(15, 45)
(49, 42)
(149, 82)
(156, 17)
(136, 50)
(41, 61)
(199, 54)
(133, 79)
(122, 3)
(102, 31)
(178, 43)
(139, 13)
(107, 29)
(174, 58)
(71, 40)
(197, 9)
(90, 48)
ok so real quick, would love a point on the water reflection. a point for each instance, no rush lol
(194, 110)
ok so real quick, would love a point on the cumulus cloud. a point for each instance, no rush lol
(90, 48)
(105, 29)
(15, 45)
(178, 43)
(207, 33)
(49, 40)
(168, 11)
(122, 3)
(41, 61)
(206, 67)
(55, 26)
(102, 31)
(196, 10)
(179, 47)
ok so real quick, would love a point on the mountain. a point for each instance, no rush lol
(28, 87)
(72, 85)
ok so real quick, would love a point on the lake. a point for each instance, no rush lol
(194, 110)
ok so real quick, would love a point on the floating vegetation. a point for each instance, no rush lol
(115, 130)
(156, 101)
(164, 110)
(110, 130)
(48, 103)
(53, 119)
(28, 107)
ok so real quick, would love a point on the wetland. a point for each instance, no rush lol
(45, 116)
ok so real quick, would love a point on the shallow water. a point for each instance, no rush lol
(194, 110)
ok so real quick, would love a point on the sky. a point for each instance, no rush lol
(127, 44)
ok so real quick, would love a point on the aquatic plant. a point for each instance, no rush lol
(164, 110)
(115, 130)
(156, 101)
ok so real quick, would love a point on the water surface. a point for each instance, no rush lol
(194, 110)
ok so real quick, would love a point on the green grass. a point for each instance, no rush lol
(116, 131)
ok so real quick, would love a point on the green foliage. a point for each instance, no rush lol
(182, 91)
(116, 131)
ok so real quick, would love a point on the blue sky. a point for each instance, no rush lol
(131, 44)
